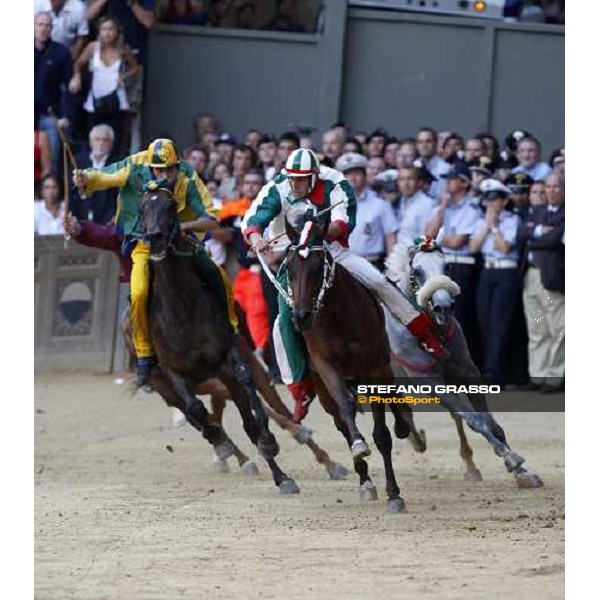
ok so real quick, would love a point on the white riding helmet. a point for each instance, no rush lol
(303, 162)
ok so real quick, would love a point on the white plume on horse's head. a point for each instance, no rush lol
(398, 264)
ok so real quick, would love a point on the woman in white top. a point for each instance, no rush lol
(110, 64)
(48, 213)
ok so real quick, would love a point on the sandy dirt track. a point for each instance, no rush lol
(126, 506)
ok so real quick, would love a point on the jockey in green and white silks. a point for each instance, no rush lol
(303, 180)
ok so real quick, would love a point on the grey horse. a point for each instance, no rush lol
(418, 271)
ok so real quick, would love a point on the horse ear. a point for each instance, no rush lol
(292, 234)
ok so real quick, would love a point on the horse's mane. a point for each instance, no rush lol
(397, 264)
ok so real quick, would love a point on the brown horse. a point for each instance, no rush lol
(343, 327)
(275, 409)
(193, 339)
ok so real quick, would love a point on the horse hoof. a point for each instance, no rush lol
(368, 491)
(337, 472)
(359, 449)
(220, 466)
(304, 435)
(529, 480)
(512, 460)
(473, 475)
(249, 468)
(224, 450)
(418, 442)
(396, 506)
(288, 486)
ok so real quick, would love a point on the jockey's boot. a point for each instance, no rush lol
(422, 328)
(144, 370)
(303, 392)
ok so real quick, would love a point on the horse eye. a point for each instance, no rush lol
(418, 273)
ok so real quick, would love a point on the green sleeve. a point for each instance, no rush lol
(265, 207)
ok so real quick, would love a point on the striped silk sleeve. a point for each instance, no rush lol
(265, 207)
(344, 214)
(111, 176)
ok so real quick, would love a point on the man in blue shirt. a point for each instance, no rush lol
(374, 235)
(452, 224)
(53, 68)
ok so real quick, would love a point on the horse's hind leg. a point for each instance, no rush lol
(383, 441)
(466, 452)
(175, 391)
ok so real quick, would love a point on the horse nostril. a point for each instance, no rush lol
(303, 314)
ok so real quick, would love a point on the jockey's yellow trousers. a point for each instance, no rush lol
(140, 287)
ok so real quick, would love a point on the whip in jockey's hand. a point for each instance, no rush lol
(72, 225)
(80, 178)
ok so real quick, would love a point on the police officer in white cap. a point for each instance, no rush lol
(495, 236)
(374, 236)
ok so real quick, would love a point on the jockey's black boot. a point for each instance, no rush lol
(144, 370)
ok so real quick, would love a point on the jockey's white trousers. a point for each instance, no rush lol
(375, 281)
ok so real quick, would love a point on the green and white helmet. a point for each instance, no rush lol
(302, 163)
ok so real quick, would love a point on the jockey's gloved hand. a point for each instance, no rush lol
(422, 328)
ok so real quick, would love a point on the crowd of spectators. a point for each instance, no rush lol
(505, 250)
(496, 209)
(88, 71)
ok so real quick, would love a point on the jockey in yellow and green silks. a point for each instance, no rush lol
(196, 215)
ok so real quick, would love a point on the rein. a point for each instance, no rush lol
(328, 274)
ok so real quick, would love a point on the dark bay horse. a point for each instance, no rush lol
(419, 271)
(219, 395)
(193, 339)
(343, 327)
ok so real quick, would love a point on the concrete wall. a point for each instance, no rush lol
(266, 80)
(400, 70)
(403, 70)
(76, 293)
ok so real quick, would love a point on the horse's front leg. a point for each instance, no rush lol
(176, 392)
(383, 441)
(367, 489)
(335, 383)
(260, 436)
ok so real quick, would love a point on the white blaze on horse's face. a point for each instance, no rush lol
(434, 290)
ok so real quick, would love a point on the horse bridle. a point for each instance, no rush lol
(412, 278)
(173, 232)
(328, 274)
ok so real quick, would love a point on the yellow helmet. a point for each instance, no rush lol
(163, 153)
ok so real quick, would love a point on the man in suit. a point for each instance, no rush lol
(543, 236)
(100, 206)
